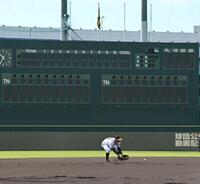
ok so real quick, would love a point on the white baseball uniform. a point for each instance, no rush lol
(110, 143)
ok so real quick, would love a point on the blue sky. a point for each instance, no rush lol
(168, 15)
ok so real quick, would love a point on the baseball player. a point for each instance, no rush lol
(113, 143)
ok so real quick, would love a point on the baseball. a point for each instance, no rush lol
(144, 158)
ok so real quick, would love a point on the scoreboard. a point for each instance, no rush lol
(98, 84)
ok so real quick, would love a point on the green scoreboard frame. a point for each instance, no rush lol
(56, 85)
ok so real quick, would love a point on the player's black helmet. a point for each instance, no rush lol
(119, 138)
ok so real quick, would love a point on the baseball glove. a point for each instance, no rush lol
(123, 157)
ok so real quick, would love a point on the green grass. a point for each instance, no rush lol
(82, 154)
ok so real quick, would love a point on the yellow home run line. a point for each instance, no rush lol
(92, 154)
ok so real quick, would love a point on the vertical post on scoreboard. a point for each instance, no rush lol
(144, 23)
(64, 21)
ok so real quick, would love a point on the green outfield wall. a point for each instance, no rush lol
(163, 141)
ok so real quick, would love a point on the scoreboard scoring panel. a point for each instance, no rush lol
(144, 89)
(179, 58)
(45, 88)
(29, 58)
(103, 82)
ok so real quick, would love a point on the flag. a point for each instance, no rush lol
(99, 18)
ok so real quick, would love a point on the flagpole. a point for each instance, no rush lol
(151, 18)
(97, 34)
(70, 16)
(102, 22)
(124, 22)
(98, 22)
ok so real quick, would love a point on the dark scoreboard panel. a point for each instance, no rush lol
(108, 83)
(179, 58)
(46, 88)
(144, 89)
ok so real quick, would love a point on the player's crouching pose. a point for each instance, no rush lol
(113, 143)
